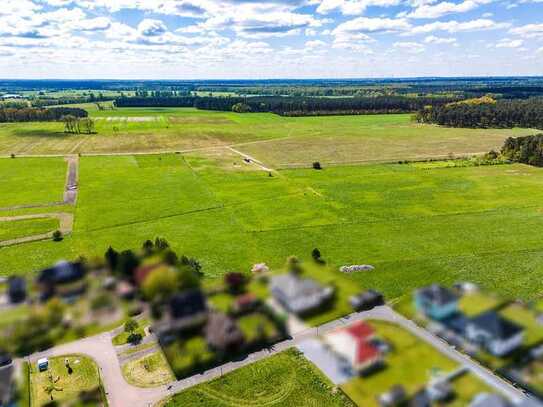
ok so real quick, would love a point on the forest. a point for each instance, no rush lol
(291, 106)
(526, 150)
(527, 113)
(31, 114)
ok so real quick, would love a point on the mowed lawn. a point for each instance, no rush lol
(280, 380)
(415, 225)
(27, 227)
(31, 181)
(278, 141)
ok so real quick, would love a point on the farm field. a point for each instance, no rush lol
(283, 379)
(278, 141)
(414, 225)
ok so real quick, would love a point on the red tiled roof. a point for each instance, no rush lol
(365, 352)
(360, 330)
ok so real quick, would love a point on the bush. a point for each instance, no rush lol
(131, 325)
(134, 338)
(57, 236)
(317, 165)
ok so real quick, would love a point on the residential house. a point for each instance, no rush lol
(488, 400)
(367, 300)
(16, 289)
(65, 279)
(223, 334)
(396, 396)
(6, 378)
(495, 333)
(436, 302)
(185, 310)
(440, 390)
(420, 399)
(353, 344)
(299, 295)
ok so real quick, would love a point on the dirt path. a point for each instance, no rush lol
(66, 222)
(250, 159)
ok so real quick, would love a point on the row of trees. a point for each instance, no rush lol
(291, 106)
(527, 149)
(501, 114)
(31, 114)
(77, 125)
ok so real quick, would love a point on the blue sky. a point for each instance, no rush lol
(188, 39)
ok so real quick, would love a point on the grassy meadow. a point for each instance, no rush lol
(278, 141)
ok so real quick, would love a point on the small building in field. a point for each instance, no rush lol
(436, 302)
(65, 279)
(353, 344)
(299, 295)
(495, 333)
(16, 289)
(367, 300)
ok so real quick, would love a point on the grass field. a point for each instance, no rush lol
(28, 227)
(67, 387)
(278, 141)
(280, 380)
(415, 225)
(149, 371)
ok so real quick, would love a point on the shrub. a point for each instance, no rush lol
(317, 165)
(134, 338)
(131, 325)
(57, 236)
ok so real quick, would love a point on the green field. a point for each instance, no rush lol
(28, 227)
(278, 141)
(415, 225)
(280, 380)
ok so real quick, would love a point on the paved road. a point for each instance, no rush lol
(121, 394)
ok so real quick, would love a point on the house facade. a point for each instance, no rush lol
(299, 295)
(436, 302)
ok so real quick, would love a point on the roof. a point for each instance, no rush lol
(437, 294)
(62, 273)
(17, 283)
(395, 395)
(360, 330)
(496, 325)
(352, 343)
(187, 304)
(365, 352)
(5, 358)
(299, 294)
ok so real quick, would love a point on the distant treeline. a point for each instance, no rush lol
(291, 106)
(527, 149)
(31, 114)
(501, 114)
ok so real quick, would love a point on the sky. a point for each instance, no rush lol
(259, 39)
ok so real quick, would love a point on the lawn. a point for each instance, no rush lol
(526, 318)
(26, 227)
(251, 325)
(31, 181)
(411, 363)
(280, 380)
(67, 387)
(189, 355)
(149, 371)
(475, 303)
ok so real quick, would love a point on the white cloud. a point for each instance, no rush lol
(431, 39)
(411, 47)
(528, 30)
(508, 43)
(430, 11)
(456, 26)
(352, 7)
(315, 44)
(151, 28)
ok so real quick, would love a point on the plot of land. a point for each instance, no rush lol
(283, 379)
(60, 384)
(297, 140)
(149, 371)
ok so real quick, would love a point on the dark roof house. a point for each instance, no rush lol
(64, 278)
(497, 334)
(222, 333)
(367, 300)
(394, 397)
(436, 301)
(6, 378)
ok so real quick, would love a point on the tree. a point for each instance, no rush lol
(316, 254)
(170, 257)
(161, 244)
(317, 165)
(235, 282)
(160, 284)
(127, 263)
(57, 236)
(112, 258)
(87, 124)
(70, 124)
(241, 108)
(294, 265)
(131, 325)
(148, 247)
